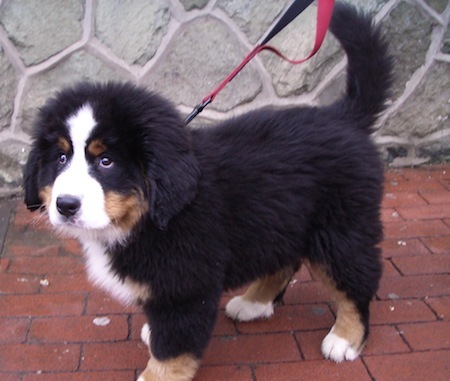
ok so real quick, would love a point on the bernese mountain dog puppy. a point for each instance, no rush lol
(169, 216)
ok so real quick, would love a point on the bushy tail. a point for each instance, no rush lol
(369, 72)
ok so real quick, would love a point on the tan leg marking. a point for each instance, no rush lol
(182, 368)
(348, 325)
(257, 302)
(266, 289)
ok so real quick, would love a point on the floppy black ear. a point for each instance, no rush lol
(30, 180)
(174, 184)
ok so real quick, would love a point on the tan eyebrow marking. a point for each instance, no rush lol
(64, 144)
(96, 147)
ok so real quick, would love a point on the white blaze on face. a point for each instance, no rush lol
(76, 181)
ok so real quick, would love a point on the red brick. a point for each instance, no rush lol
(29, 250)
(389, 269)
(9, 377)
(36, 220)
(399, 311)
(307, 292)
(291, 318)
(430, 264)
(399, 247)
(427, 174)
(81, 376)
(41, 357)
(4, 264)
(18, 284)
(313, 370)
(417, 366)
(71, 246)
(438, 245)
(245, 349)
(440, 197)
(395, 199)
(224, 325)
(45, 265)
(413, 229)
(78, 329)
(384, 340)
(390, 215)
(310, 343)
(41, 305)
(13, 330)
(441, 306)
(224, 373)
(99, 303)
(122, 355)
(414, 186)
(67, 283)
(424, 212)
(414, 286)
(427, 336)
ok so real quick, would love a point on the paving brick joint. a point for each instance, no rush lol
(55, 326)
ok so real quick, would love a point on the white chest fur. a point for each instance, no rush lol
(100, 273)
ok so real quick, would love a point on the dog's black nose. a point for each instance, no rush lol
(68, 205)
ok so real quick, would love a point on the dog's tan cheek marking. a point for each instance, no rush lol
(348, 323)
(64, 144)
(45, 194)
(96, 147)
(125, 211)
(182, 368)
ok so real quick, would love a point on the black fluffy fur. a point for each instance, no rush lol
(244, 198)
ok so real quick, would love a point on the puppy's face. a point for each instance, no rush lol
(86, 183)
(105, 156)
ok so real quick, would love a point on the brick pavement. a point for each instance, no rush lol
(47, 307)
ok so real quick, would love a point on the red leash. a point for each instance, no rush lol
(324, 12)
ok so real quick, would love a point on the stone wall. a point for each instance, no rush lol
(184, 48)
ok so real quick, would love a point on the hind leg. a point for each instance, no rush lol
(258, 300)
(348, 335)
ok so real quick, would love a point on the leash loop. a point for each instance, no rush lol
(324, 12)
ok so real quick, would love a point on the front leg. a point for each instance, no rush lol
(179, 334)
(181, 368)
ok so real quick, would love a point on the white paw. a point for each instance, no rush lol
(145, 335)
(338, 349)
(243, 310)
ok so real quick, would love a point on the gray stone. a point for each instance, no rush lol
(409, 35)
(253, 17)
(438, 5)
(194, 66)
(296, 42)
(446, 42)
(427, 110)
(189, 5)
(31, 25)
(79, 66)
(334, 91)
(437, 151)
(13, 156)
(8, 85)
(132, 29)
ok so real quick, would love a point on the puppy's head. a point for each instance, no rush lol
(106, 156)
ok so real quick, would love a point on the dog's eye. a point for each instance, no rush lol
(105, 162)
(62, 159)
